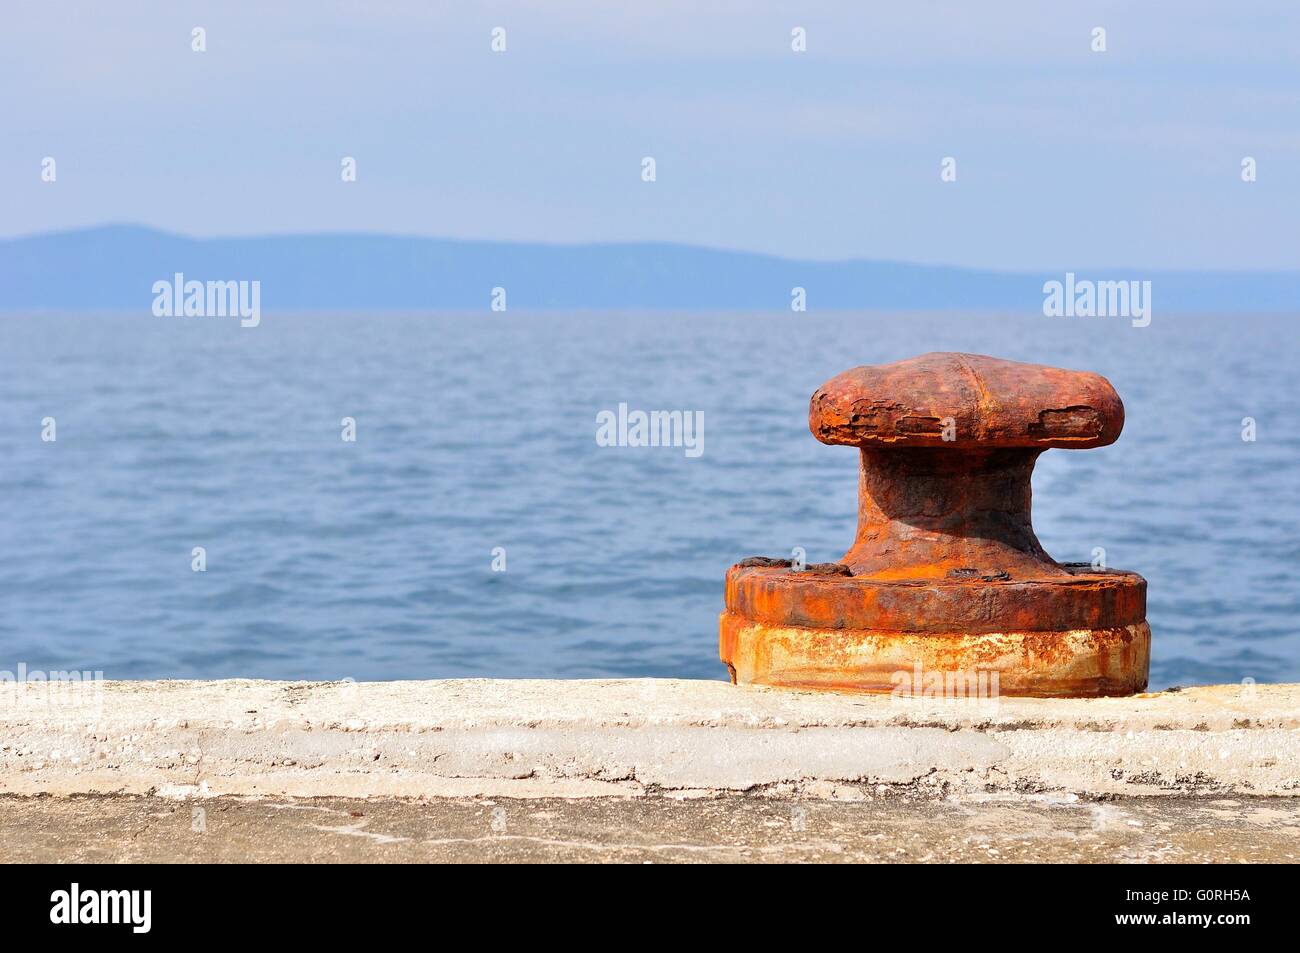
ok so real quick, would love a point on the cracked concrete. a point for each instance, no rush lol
(635, 738)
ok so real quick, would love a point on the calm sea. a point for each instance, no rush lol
(373, 559)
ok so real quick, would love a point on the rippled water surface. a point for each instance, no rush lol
(373, 559)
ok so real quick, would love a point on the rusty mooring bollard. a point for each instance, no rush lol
(946, 575)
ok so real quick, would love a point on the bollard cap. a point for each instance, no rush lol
(978, 401)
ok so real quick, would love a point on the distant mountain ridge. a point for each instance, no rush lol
(114, 267)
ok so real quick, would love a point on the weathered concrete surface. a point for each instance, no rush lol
(501, 738)
(1007, 828)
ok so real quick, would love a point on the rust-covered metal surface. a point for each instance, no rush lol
(994, 403)
(945, 571)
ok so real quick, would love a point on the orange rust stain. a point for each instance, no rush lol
(1078, 663)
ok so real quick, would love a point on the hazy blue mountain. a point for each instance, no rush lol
(114, 267)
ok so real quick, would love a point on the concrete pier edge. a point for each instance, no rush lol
(633, 738)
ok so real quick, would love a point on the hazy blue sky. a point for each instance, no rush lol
(1066, 158)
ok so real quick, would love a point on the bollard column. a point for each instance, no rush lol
(945, 575)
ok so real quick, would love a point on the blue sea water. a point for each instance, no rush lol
(373, 559)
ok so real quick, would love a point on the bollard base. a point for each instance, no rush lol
(1067, 631)
(1075, 663)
